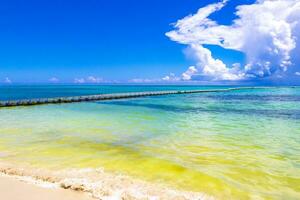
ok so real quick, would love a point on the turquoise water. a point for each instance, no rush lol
(232, 145)
(17, 92)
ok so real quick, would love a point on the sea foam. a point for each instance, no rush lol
(99, 184)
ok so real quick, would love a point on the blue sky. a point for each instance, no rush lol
(111, 40)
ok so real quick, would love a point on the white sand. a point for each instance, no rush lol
(41, 184)
(13, 189)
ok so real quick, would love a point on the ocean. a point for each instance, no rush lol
(241, 144)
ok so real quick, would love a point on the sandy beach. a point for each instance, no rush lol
(42, 184)
(13, 189)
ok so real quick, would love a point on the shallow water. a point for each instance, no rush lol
(234, 145)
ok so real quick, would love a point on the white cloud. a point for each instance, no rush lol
(92, 79)
(7, 80)
(297, 73)
(143, 80)
(265, 31)
(168, 78)
(54, 80)
(89, 79)
(187, 75)
(79, 80)
(171, 77)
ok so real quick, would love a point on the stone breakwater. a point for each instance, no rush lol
(101, 97)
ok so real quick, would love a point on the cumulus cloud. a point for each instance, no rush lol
(54, 80)
(171, 77)
(92, 79)
(168, 78)
(89, 79)
(79, 80)
(297, 73)
(7, 80)
(187, 75)
(143, 80)
(266, 32)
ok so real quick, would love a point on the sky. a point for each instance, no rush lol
(142, 41)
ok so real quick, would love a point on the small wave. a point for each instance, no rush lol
(99, 184)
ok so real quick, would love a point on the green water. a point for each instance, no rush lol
(235, 145)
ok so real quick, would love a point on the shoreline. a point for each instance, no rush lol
(83, 184)
(13, 188)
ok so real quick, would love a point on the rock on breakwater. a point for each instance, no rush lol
(100, 97)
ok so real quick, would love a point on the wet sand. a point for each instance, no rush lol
(13, 189)
(85, 184)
